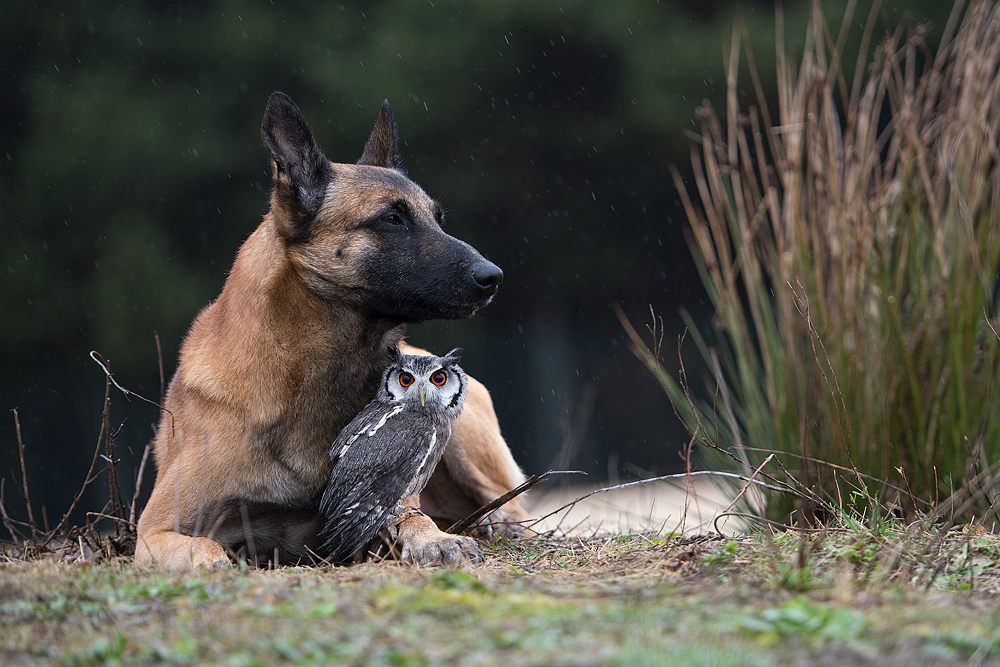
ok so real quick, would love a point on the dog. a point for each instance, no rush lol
(294, 347)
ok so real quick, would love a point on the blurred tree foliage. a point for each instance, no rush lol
(131, 170)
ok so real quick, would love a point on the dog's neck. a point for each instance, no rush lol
(330, 355)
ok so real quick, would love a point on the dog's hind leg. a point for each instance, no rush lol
(476, 468)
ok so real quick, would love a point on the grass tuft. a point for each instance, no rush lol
(849, 239)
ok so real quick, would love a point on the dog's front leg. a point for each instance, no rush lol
(170, 550)
(422, 542)
(159, 545)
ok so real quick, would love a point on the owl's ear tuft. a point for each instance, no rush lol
(394, 353)
(454, 356)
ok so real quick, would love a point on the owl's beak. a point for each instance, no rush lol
(423, 396)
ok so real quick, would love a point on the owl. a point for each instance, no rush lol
(388, 452)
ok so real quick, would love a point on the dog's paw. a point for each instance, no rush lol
(172, 551)
(499, 524)
(446, 550)
(423, 543)
(208, 554)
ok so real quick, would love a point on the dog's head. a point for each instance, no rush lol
(365, 233)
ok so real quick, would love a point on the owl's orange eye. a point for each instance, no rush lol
(405, 379)
(439, 378)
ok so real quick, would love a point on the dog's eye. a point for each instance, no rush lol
(439, 378)
(405, 379)
(393, 218)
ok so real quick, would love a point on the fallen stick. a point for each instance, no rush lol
(457, 528)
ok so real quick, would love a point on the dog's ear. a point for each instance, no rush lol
(298, 167)
(382, 149)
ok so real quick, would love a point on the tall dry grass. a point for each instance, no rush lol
(849, 241)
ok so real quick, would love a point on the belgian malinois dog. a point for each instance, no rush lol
(294, 348)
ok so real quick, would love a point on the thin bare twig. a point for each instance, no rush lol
(318, 557)
(138, 481)
(749, 482)
(114, 488)
(100, 362)
(775, 524)
(15, 535)
(24, 479)
(117, 519)
(159, 364)
(836, 466)
(663, 478)
(64, 522)
(464, 524)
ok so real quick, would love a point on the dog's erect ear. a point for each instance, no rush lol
(382, 149)
(298, 167)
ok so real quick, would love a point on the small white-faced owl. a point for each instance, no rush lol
(388, 452)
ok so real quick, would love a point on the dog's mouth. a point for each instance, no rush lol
(448, 311)
(483, 292)
(472, 310)
(420, 308)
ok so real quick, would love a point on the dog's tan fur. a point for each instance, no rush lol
(273, 369)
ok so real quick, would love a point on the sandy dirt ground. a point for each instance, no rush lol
(656, 506)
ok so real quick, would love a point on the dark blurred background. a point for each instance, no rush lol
(131, 170)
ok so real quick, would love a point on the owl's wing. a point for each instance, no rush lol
(372, 471)
(373, 416)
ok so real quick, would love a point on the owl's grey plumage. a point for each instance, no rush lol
(389, 451)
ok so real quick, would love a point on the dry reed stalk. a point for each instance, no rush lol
(850, 247)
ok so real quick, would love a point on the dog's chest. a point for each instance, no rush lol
(297, 439)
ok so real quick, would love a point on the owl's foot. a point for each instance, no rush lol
(422, 542)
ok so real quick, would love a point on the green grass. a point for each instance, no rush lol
(628, 600)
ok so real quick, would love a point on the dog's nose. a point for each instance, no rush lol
(487, 275)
